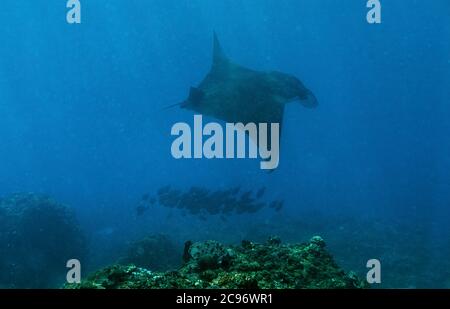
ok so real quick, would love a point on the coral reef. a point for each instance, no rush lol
(147, 253)
(409, 259)
(37, 237)
(249, 266)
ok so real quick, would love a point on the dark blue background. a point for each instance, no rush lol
(81, 119)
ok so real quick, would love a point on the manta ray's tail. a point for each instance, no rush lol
(171, 106)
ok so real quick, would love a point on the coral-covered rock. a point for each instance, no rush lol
(154, 252)
(249, 266)
(37, 238)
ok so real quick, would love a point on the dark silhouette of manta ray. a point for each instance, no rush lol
(236, 94)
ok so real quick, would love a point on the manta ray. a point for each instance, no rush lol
(237, 94)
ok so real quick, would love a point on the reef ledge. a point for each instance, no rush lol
(212, 265)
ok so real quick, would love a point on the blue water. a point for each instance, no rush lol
(82, 119)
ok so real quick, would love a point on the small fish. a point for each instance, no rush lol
(260, 192)
(246, 196)
(279, 206)
(273, 204)
(141, 209)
